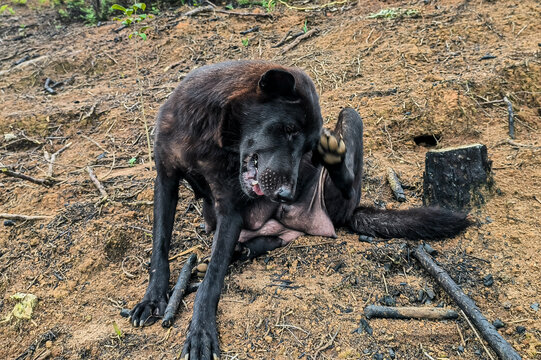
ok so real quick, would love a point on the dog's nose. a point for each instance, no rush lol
(284, 194)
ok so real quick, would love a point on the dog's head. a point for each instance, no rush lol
(278, 126)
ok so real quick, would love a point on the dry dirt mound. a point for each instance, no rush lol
(441, 74)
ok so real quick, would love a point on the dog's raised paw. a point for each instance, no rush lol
(331, 148)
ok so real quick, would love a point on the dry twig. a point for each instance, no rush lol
(97, 183)
(24, 217)
(45, 182)
(297, 41)
(51, 158)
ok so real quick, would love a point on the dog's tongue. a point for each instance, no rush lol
(257, 190)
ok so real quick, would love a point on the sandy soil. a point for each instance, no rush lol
(407, 77)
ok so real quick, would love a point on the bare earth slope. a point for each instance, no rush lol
(407, 77)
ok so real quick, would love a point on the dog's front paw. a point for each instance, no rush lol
(201, 343)
(148, 311)
(331, 148)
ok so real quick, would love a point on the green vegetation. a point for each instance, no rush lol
(6, 9)
(245, 42)
(269, 5)
(131, 17)
(393, 13)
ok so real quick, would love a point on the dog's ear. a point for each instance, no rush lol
(278, 82)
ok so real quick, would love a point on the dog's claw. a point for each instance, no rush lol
(331, 148)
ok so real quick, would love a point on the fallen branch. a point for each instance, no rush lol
(51, 158)
(511, 117)
(297, 41)
(210, 8)
(24, 217)
(288, 37)
(178, 291)
(45, 182)
(395, 185)
(97, 183)
(409, 312)
(504, 350)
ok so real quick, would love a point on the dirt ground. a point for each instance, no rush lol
(442, 73)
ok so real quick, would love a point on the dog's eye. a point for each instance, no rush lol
(290, 129)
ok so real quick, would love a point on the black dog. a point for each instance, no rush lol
(248, 138)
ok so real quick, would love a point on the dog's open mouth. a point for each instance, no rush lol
(249, 174)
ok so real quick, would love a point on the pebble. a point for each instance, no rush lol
(477, 352)
(202, 267)
(48, 344)
(521, 329)
(507, 305)
(535, 306)
(9, 223)
(430, 293)
(469, 250)
(200, 274)
(488, 280)
(391, 354)
(388, 300)
(429, 249)
(420, 295)
(365, 238)
(461, 349)
(498, 324)
(378, 356)
(268, 338)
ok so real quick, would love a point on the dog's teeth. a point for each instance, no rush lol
(255, 182)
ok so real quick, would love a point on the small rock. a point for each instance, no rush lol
(498, 324)
(378, 356)
(461, 348)
(477, 352)
(488, 219)
(520, 329)
(365, 238)
(388, 300)
(421, 295)
(48, 344)
(200, 274)
(9, 223)
(507, 305)
(488, 280)
(364, 326)
(535, 306)
(430, 293)
(268, 338)
(392, 355)
(469, 250)
(429, 249)
(202, 267)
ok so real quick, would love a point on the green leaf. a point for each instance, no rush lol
(143, 36)
(129, 12)
(144, 28)
(141, 6)
(132, 161)
(143, 16)
(118, 7)
(117, 330)
(130, 36)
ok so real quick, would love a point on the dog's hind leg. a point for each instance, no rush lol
(342, 190)
(256, 247)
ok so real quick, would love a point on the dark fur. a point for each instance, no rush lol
(224, 127)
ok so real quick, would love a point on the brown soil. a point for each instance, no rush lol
(406, 76)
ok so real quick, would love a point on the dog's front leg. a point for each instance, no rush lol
(154, 302)
(202, 339)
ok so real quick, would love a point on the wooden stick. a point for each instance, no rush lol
(45, 182)
(97, 183)
(395, 185)
(24, 217)
(511, 117)
(178, 291)
(299, 39)
(409, 312)
(477, 335)
(210, 8)
(51, 158)
(504, 350)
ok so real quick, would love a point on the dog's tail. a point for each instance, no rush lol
(417, 223)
